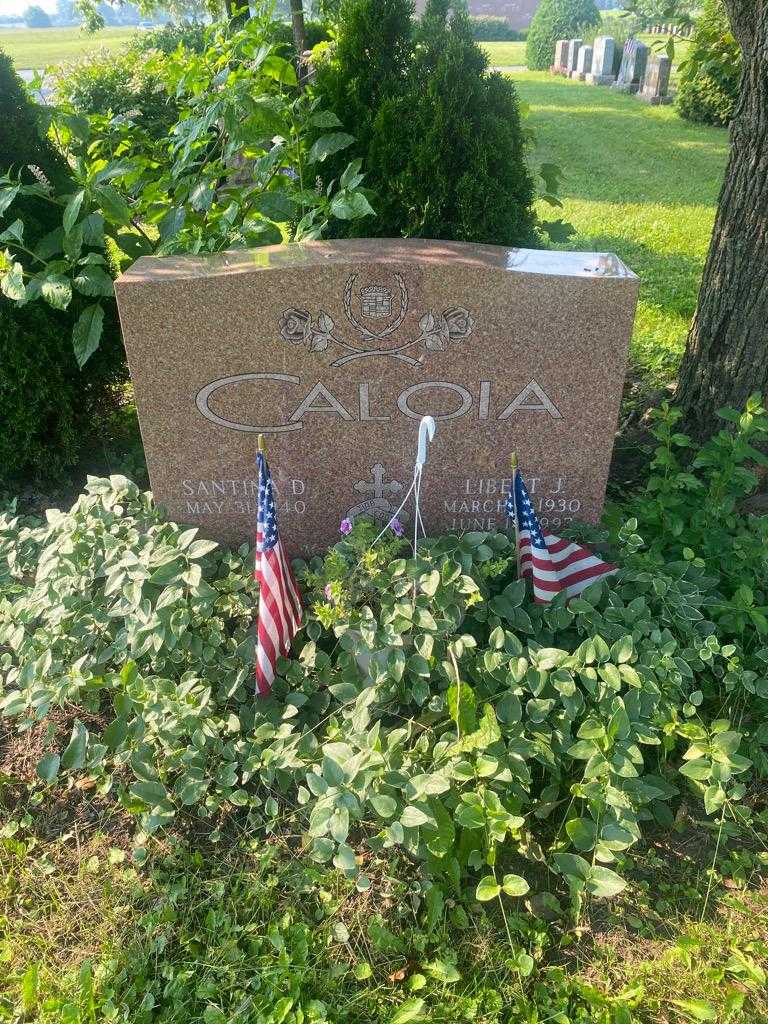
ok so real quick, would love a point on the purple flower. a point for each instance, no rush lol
(396, 527)
(328, 592)
(345, 526)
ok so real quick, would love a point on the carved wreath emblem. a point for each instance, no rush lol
(321, 333)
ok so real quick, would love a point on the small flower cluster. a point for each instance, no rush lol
(40, 177)
(345, 527)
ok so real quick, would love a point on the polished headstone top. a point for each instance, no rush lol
(152, 269)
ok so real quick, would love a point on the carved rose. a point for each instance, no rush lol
(458, 322)
(295, 326)
(433, 336)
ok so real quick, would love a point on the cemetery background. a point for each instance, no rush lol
(89, 932)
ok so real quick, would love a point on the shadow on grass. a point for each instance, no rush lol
(613, 148)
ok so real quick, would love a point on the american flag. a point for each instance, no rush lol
(279, 597)
(554, 564)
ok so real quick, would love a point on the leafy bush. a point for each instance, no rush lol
(441, 139)
(166, 38)
(553, 20)
(128, 83)
(488, 28)
(711, 73)
(428, 707)
(46, 404)
(315, 32)
(218, 179)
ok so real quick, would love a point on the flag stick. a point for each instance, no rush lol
(514, 466)
(262, 449)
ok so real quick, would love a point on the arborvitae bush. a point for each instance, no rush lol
(441, 140)
(553, 20)
(710, 74)
(46, 403)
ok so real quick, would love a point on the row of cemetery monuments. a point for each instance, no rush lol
(641, 74)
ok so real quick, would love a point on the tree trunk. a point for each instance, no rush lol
(299, 34)
(726, 358)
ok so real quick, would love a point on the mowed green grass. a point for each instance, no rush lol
(638, 181)
(505, 54)
(39, 47)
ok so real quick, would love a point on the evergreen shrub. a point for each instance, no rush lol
(440, 139)
(557, 19)
(710, 75)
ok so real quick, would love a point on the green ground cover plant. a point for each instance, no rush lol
(37, 48)
(449, 789)
(428, 708)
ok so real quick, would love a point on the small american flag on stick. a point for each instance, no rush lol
(554, 565)
(279, 597)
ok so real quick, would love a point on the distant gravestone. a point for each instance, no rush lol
(561, 57)
(655, 87)
(574, 45)
(583, 63)
(632, 68)
(603, 50)
(335, 350)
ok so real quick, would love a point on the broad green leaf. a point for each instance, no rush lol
(86, 334)
(73, 757)
(413, 816)
(149, 792)
(696, 1009)
(48, 767)
(14, 232)
(56, 290)
(280, 69)
(487, 889)
(113, 206)
(412, 1009)
(350, 206)
(582, 833)
(275, 205)
(603, 882)
(72, 210)
(327, 145)
(8, 195)
(571, 864)
(12, 283)
(515, 885)
(93, 280)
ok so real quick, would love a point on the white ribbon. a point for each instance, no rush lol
(427, 429)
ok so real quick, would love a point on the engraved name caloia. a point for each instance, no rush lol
(414, 401)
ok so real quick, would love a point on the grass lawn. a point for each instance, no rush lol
(638, 181)
(38, 47)
(505, 54)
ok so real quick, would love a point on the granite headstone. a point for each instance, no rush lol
(561, 57)
(583, 63)
(574, 45)
(655, 86)
(632, 68)
(603, 50)
(335, 350)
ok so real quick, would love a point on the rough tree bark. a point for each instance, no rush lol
(299, 34)
(727, 353)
